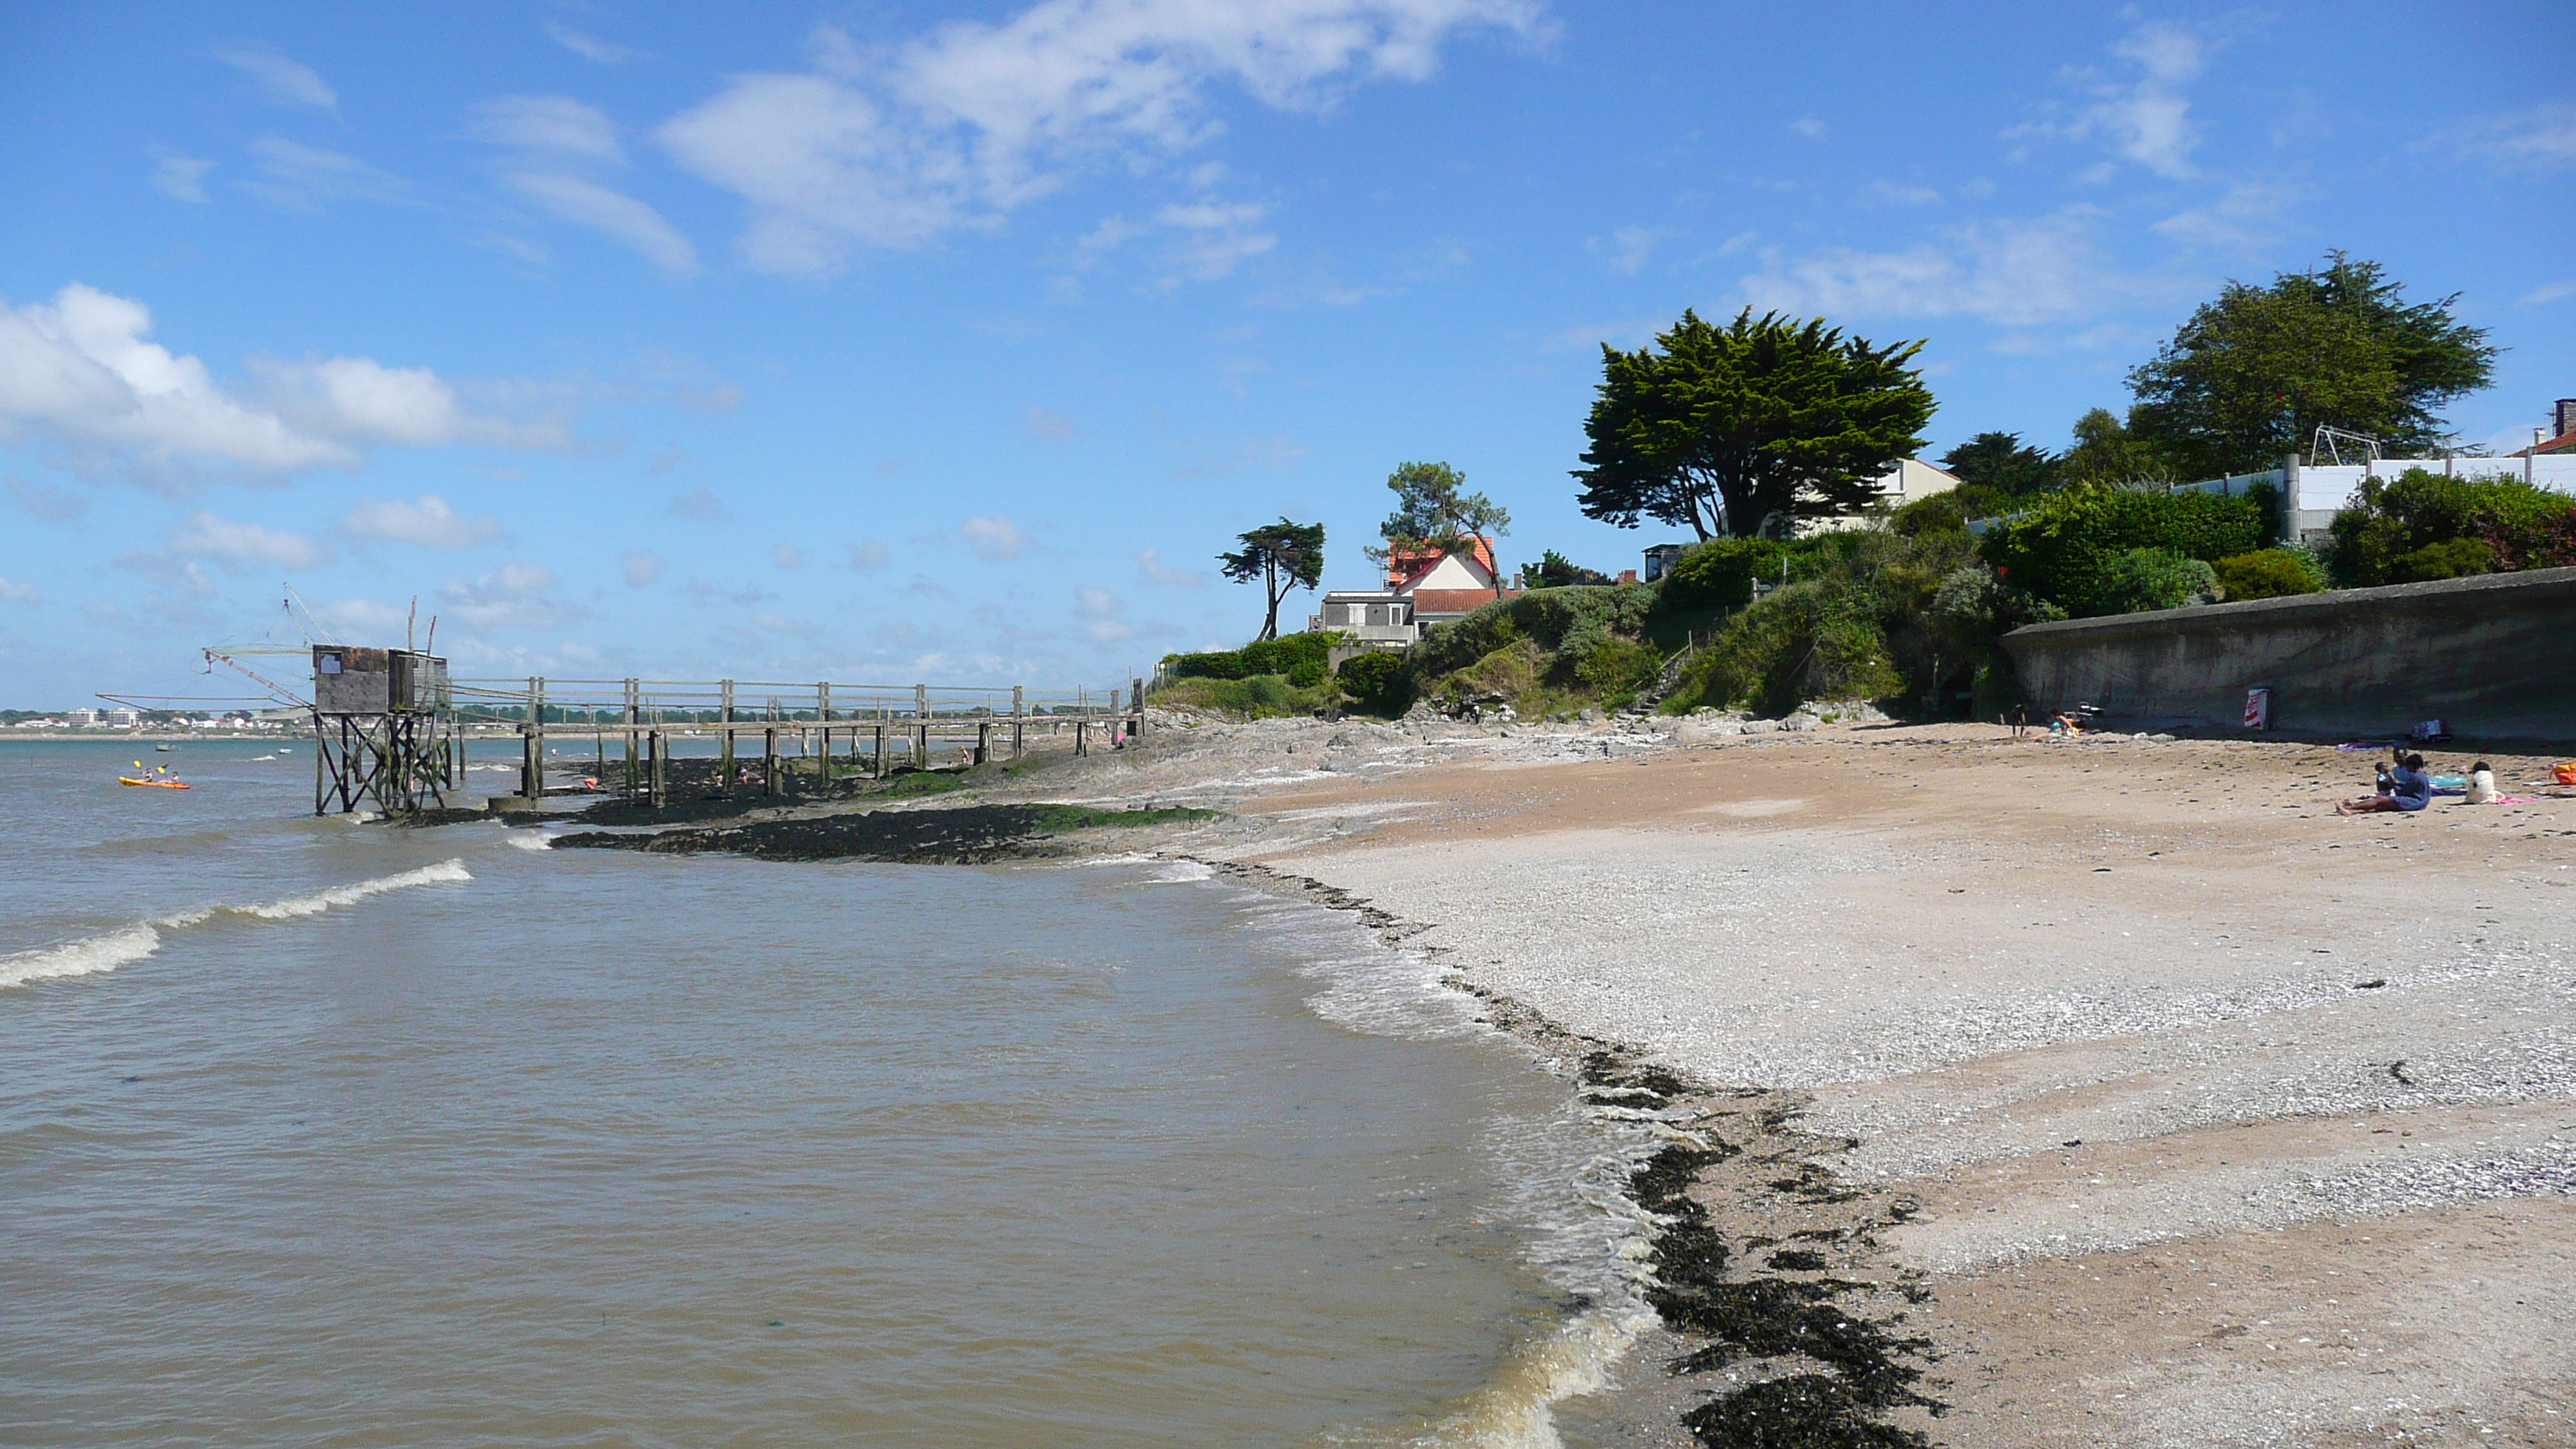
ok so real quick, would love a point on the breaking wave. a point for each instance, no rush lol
(127, 944)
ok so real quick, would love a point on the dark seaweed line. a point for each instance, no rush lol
(1869, 1368)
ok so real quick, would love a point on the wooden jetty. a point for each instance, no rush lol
(392, 729)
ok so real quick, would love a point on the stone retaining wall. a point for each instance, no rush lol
(2495, 657)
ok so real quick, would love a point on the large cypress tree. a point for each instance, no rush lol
(2249, 377)
(1763, 421)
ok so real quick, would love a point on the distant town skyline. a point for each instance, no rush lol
(953, 342)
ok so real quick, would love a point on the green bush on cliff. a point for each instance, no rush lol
(1378, 682)
(1303, 658)
(1868, 614)
(2074, 547)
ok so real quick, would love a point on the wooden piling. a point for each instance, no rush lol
(724, 716)
(769, 761)
(661, 750)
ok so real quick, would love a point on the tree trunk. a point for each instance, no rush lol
(1270, 586)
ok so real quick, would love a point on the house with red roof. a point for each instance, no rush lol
(1424, 586)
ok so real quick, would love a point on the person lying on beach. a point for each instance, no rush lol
(2410, 789)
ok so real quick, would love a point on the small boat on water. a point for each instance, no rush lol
(155, 784)
(166, 749)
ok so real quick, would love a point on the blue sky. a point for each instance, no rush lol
(891, 342)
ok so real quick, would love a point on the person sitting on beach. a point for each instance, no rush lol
(2411, 789)
(2481, 783)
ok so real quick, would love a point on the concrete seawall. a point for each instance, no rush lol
(2495, 657)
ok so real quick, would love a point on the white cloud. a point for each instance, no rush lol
(360, 400)
(366, 619)
(867, 556)
(889, 149)
(1045, 426)
(300, 177)
(995, 539)
(287, 82)
(427, 521)
(2249, 216)
(1149, 567)
(1889, 191)
(1099, 612)
(788, 556)
(17, 593)
(181, 178)
(590, 47)
(80, 374)
(2541, 139)
(1215, 238)
(237, 546)
(626, 220)
(642, 566)
(1810, 127)
(513, 596)
(2012, 272)
(2146, 120)
(2536, 297)
(1626, 249)
(700, 504)
(547, 124)
(556, 139)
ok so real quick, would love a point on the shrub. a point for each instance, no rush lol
(1303, 658)
(2391, 532)
(2457, 558)
(1378, 682)
(1805, 641)
(1722, 571)
(2268, 573)
(1612, 668)
(1944, 512)
(1261, 696)
(2152, 578)
(1869, 614)
(1545, 616)
(2063, 548)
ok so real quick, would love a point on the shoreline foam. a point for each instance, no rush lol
(125, 945)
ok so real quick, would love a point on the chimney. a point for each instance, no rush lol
(2564, 415)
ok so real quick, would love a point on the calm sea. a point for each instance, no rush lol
(323, 1133)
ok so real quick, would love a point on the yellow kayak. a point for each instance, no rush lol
(156, 784)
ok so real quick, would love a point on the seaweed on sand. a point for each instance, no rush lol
(968, 835)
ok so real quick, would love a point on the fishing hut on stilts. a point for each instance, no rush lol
(385, 735)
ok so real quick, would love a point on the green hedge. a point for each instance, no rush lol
(2072, 548)
(2424, 525)
(1303, 658)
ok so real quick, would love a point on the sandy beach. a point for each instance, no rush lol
(2219, 1118)
(2108, 1091)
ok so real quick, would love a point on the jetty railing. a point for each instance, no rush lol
(880, 729)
